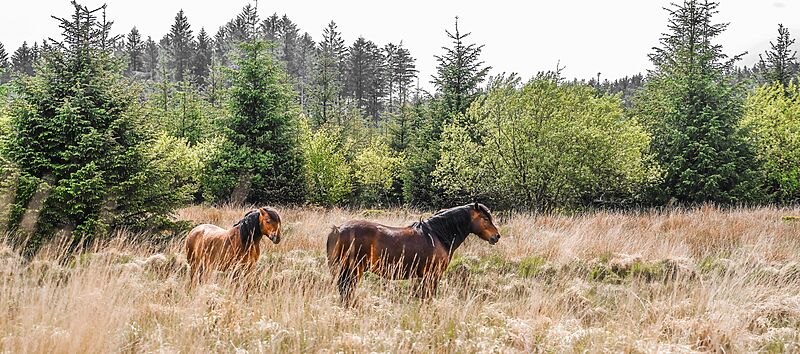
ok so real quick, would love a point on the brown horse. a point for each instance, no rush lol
(210, 247)
(422, 250)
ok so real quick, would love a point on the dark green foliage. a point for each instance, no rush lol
(75, 128)
(459, 72)
(260, 162)
(180, 44)
(201, 62)
(365, 64)
(23, 59)
(5, 65)
(692, 109)
(134, 48)
(328, 72)
(780, 64)
(151, 56)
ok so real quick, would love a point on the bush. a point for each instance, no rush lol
(327, 169)
(771, 118)
(543, 145)
(377, 168)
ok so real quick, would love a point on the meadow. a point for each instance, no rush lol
(682, 280)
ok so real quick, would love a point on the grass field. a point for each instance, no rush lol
(679, 281)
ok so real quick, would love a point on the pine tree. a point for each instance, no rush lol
(134, 48)
(201, 63)
(459, 72)
(780, 64)
(693, 109)
(76, 132)
(23, 59)
(260, 162)
(180, 42)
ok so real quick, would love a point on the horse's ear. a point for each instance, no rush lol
(264, 213)
(476, 206)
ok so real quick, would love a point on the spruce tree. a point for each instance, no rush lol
(5, 65)
(201, 62)
(289, 36)
(260, 161)
(134, 48)
(693, 109)
(328, 84)
(364, 80)
(306, 57)
(23, 59)
(151, 57)
(180, 42)
(780, 64)
(77, 137)
(459, 72)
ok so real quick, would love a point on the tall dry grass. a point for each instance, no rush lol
(679, 281)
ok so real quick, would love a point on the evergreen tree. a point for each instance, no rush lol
(201, 63)
(151, 57)
(289, 36)
(77, 133)
(260, 162)
(134, 48)
(23, 59)
(305, 59)
(327, 76)
(271, 31)
(180, 42)
(459, 72)
(403, 72)
(5, 65)
(364, 69)
(780, 64)
(693, 109)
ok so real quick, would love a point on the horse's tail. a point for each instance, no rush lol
(333, 238)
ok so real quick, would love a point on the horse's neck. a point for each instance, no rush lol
(450, 239)
(238, 240)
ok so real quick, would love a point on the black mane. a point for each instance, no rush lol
(250, 228)
(450, 226)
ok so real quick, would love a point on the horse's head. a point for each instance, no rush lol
(270, 224)
(482, 223)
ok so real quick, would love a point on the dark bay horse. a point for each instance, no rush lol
(210, 247)
(422, 250)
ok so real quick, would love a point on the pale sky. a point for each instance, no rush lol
(587, 36)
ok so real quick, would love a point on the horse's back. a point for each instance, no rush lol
(358, 237)
(197, 235)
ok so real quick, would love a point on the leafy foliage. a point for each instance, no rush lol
(543, 145)
(771, 118)
(328, 172)
(376, 169)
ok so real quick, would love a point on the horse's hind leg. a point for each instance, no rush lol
(347, 281)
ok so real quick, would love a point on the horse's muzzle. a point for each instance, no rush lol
(275, 238)
(494, 239)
